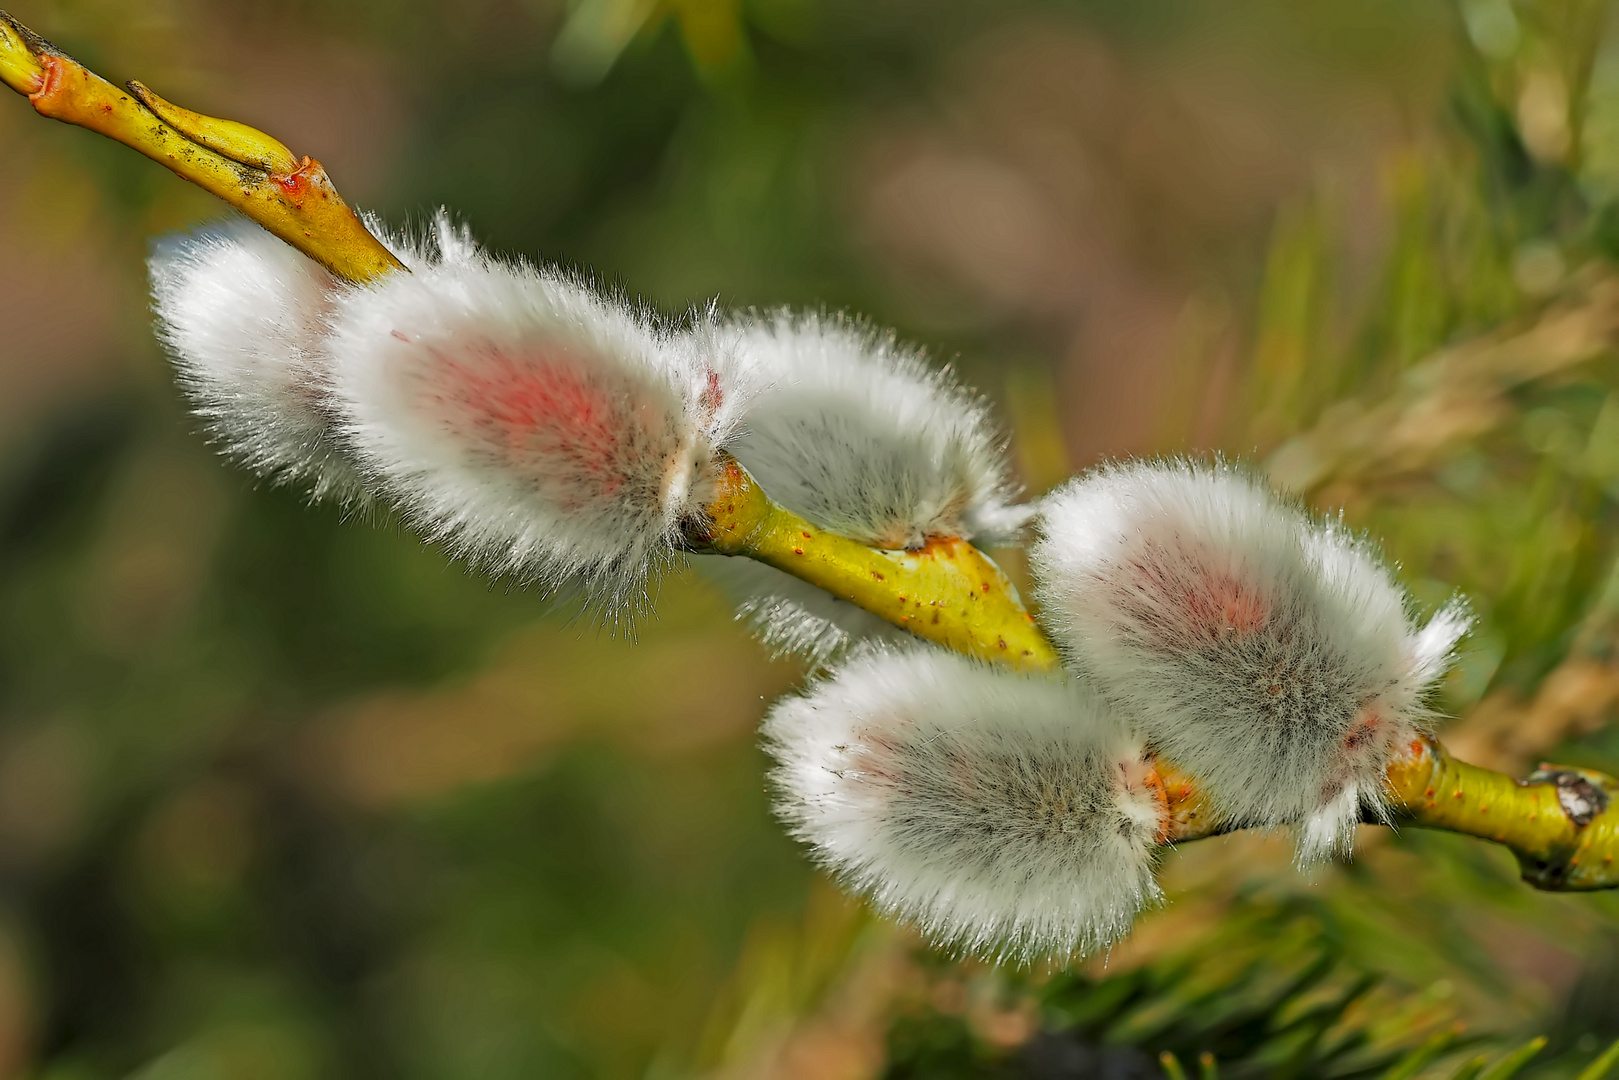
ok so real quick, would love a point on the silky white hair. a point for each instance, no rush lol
(861, 436)
(536, 426)
(1006, 815)
(1267, 653)
(244, 317)
(545, 430)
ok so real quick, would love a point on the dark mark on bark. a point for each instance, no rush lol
(1580, 799)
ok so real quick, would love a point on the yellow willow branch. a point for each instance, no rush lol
(1561, 823)
(292, 198)
(947, 592)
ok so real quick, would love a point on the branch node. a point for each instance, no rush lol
(1579, 793)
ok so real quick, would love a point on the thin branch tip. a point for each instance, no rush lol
(289, 196)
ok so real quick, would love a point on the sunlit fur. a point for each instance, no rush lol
(1267, 653)
(537, 426)
(243, 316)
(863, 437)
(1006, 815)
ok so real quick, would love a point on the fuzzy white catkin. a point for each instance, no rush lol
(1267, 653)
(535, 425)
(860, 435)
(243, 315)
(1006, 815)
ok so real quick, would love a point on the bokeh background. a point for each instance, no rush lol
(284, 796)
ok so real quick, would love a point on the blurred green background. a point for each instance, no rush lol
(284, 796)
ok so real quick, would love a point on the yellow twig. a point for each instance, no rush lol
(291, 197)
(947, 592)
(1561, 823)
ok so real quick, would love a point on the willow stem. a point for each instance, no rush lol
(947, 591)
(291, 197)
(1561, 823)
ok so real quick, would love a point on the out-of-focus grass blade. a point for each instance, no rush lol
(1602, 1066)
(1515, 1061)
(1471, 1068)
(1172, 1066)
(1207, 1069)
(1418, 1059)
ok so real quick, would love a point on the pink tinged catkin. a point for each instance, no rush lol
(536, 426)
(244, 316)
(1006, 815)
(1267, 653)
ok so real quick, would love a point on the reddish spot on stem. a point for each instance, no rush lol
(1154, 783)
(878, 576)
(296, 183)
(48, 83)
